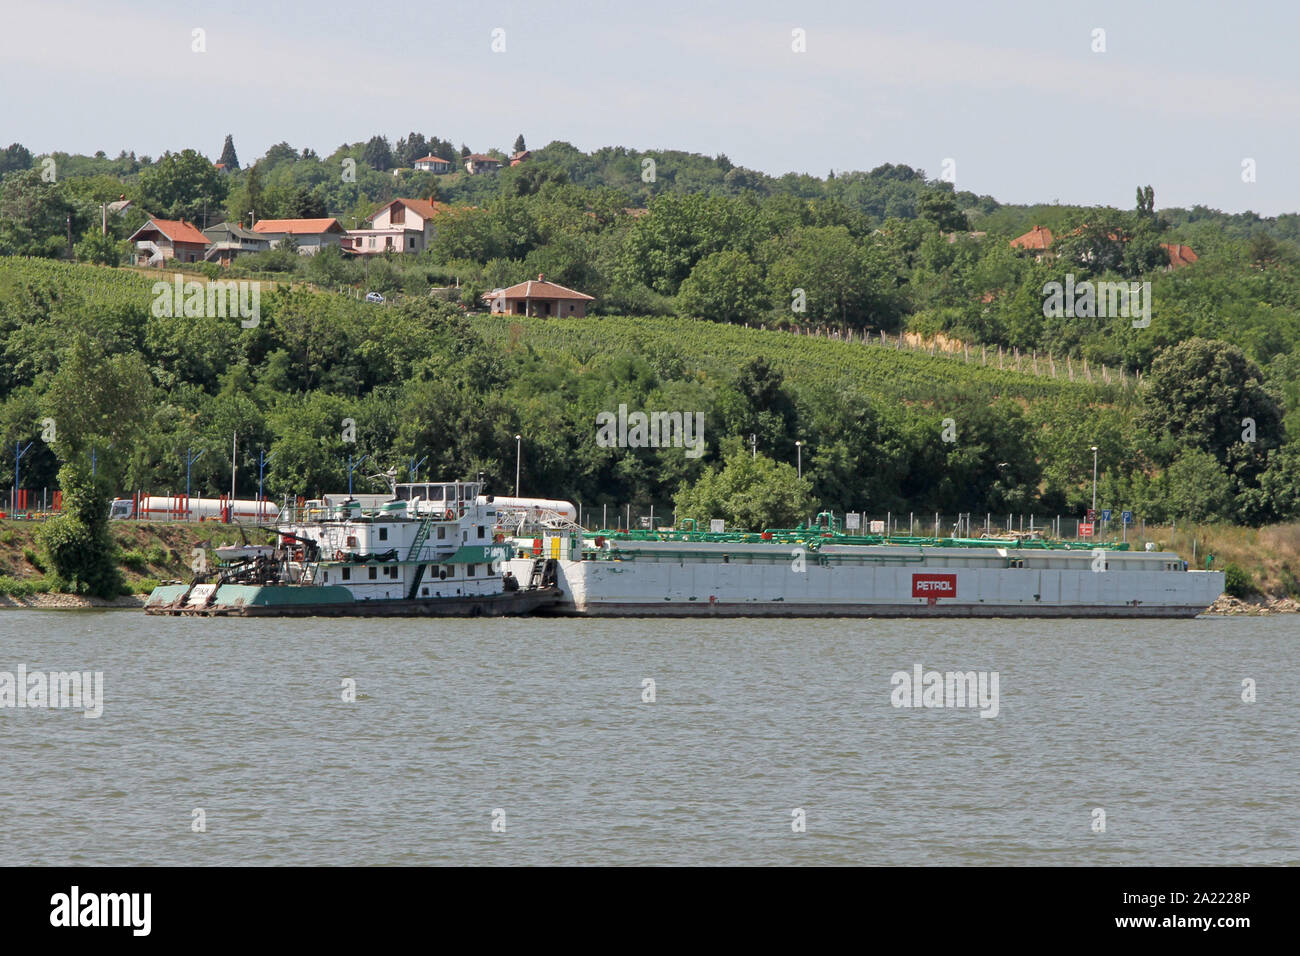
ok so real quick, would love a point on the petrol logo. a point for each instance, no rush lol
(934, 586)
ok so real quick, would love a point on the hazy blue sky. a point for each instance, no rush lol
(1011, 91)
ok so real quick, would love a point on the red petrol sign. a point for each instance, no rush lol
(934, 585)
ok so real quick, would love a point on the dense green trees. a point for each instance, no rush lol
(661, 233)
(182, 185)
(323, 378)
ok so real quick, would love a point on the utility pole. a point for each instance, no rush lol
(798, 450)
(1094, 477)
(753, 445)
(234, 450)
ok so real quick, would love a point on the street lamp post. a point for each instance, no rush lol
(19, 451)
(190, 459)
(798, 450)
(351, 468)
(263, 459)
(519, 451)
(1094, 477)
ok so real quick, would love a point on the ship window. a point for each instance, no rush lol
(480, 531)
(424, 591)
(469, 572)
(373, 573)
(347, 574)
(451, 571)
(442, 533)
(433, 492)
(392, 572)
(383, 534)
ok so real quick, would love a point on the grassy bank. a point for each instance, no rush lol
(147, 553)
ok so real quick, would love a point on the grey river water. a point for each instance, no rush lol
(752, 720)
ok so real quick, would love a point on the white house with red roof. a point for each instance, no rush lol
(312, 235)
(403, 225)
(161, 239)
(539, 298)
(433, 164)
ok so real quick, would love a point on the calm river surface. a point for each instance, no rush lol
(752, 719)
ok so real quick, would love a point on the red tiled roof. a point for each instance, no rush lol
(298, 226)
(1036, 238)
(541, 289)
(424, 208)
(433, 159)
(177, 230)
(1179, 255)
(481, 158)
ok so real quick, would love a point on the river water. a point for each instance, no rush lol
(752, 720)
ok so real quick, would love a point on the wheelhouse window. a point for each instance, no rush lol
(374, 573)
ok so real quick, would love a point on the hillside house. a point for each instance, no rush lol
(1179, 256)
(312, 235)
(478, 163)
(159, 240)
(433, 164)
(403, 225)
(1036, 240)
(538, 297)
(1039, 239)
(230, 239)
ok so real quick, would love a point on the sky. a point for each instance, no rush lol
(1024, 101)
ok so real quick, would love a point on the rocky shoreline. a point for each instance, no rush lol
(1255, 607)
(66, 602)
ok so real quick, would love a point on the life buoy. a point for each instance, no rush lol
(450, 515)
(338, 555)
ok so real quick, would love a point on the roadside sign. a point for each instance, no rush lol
(1091, 514)
(1127, 516)
(1105, 515)
(1085, 529)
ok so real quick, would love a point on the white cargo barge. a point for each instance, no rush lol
(810, 572)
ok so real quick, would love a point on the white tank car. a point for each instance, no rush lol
(533, 508)
(173, 507)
